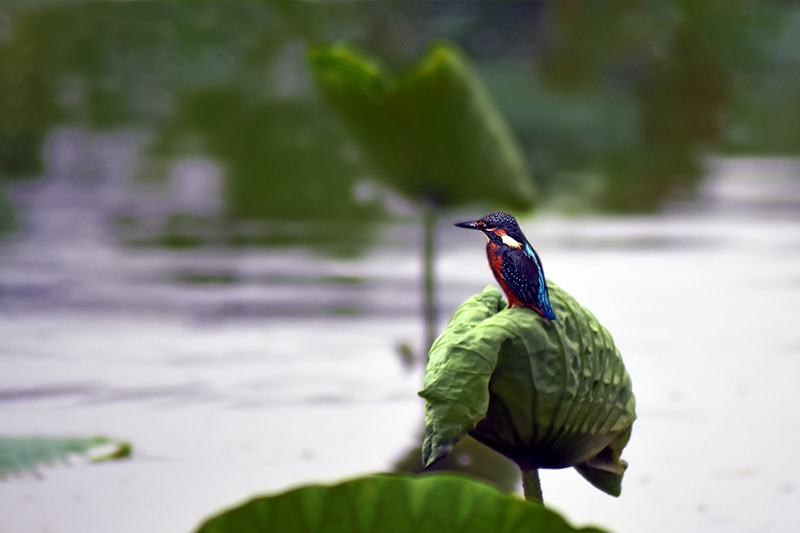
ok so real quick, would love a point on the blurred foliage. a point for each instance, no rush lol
(286, 163)
(615, 103)
(433, 130)
(25, 454)
(662, 57)
(8, 220)
(389, 503)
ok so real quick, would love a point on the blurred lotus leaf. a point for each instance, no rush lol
(26, 454)
(434, 503)
(284, 164)
(433, 131)
(544, 394)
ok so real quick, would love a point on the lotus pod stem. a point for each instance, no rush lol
(531, 486)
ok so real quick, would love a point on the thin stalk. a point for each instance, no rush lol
(531, 485)
(429, 250)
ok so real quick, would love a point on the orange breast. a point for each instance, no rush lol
(495, 261)
(496, 264)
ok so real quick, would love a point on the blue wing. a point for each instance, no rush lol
(522, 271)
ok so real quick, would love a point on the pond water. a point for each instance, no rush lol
(235, 373)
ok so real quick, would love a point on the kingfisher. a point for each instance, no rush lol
(514, 263)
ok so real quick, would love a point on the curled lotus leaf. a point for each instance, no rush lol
(433, 131)
(546, 394)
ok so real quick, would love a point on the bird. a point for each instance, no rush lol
(514, 263)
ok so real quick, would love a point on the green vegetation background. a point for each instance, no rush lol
(615, 103)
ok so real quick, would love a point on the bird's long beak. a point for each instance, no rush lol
(469, 225)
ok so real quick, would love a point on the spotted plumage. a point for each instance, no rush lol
(514, 263)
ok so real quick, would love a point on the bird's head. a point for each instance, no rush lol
(500, 228)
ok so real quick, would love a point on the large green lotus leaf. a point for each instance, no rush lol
(26, 454)
(546, 394)
(439, 503)
(434, 131)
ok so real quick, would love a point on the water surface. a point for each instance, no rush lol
(237, 372)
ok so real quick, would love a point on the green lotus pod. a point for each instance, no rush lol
(546, 394)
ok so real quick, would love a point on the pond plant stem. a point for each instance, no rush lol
(429, 250)
(531, 486)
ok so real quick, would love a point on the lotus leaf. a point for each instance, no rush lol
(433, 131)
(546, 394)
(26, 454)
(438, 503)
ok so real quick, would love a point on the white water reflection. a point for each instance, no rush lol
(241, 372)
